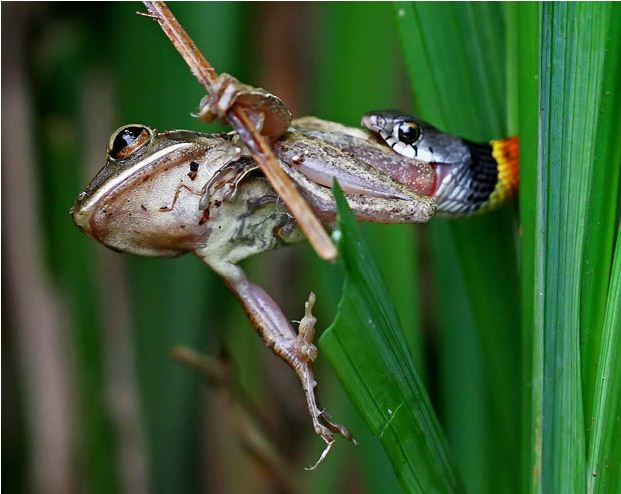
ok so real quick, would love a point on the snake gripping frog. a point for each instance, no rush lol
(164, 194)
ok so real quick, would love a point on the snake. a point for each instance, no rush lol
(470, 177)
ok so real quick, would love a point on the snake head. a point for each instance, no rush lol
(414, 138)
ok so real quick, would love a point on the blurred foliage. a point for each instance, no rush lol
(142, 422)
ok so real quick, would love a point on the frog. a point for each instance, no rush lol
(169, 193)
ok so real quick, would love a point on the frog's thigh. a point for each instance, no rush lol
(419, 209)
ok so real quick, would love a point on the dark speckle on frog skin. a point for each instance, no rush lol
(193, 170)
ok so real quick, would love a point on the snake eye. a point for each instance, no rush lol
(127, 140)
(408, 132)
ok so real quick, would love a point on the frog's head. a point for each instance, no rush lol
(145, 199)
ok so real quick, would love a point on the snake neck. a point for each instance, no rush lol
(488, 178)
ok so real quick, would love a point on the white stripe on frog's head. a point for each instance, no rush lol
(103, 190)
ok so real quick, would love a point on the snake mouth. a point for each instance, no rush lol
(367, 121)
(374, 122)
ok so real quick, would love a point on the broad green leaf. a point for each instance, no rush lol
(366, 346)
(461, 372)
(343, 89)
(573, 41)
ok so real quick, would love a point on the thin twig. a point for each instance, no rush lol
(238, 119)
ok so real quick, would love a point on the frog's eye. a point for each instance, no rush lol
(408, 132)
(127, 140)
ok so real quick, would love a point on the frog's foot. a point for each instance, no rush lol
(267, 111)
(297, 350)
(227, 180)
(306, 353)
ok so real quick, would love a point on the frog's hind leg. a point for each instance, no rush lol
(297, 350)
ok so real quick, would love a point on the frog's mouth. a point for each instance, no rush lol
(82, 213)
(81, 219)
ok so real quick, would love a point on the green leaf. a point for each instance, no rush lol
(523, 24)
(462, 376)
(62, 48)
(604, 472)
(366, 346)
(602, 210)
(573, 42)
(343, 89)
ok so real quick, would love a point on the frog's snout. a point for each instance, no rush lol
(81, 219)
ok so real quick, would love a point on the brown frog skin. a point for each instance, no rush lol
(164, 194)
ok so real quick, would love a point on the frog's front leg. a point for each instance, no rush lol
(267, 111)
(228, 177)
(297, 350)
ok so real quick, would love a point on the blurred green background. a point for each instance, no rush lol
(94, 400)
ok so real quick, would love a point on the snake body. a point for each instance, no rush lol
(470, 177)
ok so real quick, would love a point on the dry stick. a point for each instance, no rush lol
(238, 119)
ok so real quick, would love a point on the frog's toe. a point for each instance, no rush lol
(266, 111)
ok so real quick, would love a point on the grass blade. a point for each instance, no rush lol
(343, 88)
(602, 211)
(462, 377)
(523, 23)
(604, 472)
(572, 54)
(62, 51)
(367, 348)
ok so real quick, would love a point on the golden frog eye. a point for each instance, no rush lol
(127, 140)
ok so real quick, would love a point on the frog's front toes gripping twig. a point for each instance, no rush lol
(268, 112)
(306, 353)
